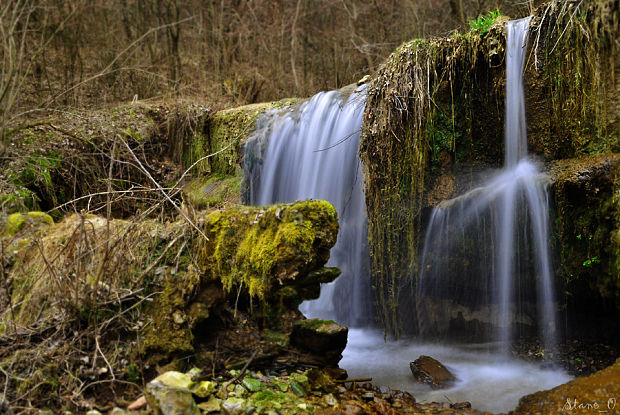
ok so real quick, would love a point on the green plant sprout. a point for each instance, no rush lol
(588, 262)
(484, 22)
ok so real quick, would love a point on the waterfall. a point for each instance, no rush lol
(312, 153)
(485, 268)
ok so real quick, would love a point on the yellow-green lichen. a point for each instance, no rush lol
(17, 221)
(257, 246)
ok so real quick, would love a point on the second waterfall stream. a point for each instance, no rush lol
(486, 253)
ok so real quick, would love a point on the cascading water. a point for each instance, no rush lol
(311, 153)
(486, 269)
(486, 262)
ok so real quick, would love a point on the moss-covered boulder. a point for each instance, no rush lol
(257, 260)
(15, 222)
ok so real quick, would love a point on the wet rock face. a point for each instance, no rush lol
(587, 228)
(326, 339)
(430, 371)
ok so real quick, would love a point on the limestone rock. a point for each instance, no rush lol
(174, 379)
(324, 338)
(203, 389)
(170, 400)
(212, 405)
(430, 371)
(234, 406)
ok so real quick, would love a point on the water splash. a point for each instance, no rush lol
(486, 265)
(311, 153)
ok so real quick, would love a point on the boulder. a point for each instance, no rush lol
(430, 371)
(270, 255)
(165, 396)
(324, 338)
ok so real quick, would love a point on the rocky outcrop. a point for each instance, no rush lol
(434, 120)
(245, 255)
(585, 192)
(432, 372)
(597, 393)
(325, 339)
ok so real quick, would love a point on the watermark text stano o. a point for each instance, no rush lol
(601, 406)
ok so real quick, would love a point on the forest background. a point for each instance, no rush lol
(59, 54)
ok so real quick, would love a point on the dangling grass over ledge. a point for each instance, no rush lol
(436, 106)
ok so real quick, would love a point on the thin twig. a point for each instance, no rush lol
(241, 373)
(566, 27)
(105, 359)
(161, 189)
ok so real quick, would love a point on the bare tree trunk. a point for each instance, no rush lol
(457, 10)
(294, 45)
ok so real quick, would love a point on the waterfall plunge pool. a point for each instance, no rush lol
(490, 382)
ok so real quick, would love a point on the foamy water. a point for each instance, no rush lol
(490, 382)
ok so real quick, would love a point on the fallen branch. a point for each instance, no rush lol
(354, 380)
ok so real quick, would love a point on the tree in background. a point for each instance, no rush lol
(66, 53)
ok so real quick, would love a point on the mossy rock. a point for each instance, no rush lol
(596, 393)
(225, 134)
(256, 252)
(17, 221)
(322, 337)
(257, 247)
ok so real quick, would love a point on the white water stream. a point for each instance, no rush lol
(311, 153)
(502, 228)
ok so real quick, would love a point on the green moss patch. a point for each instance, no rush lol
(257, 247)
(17, 221)
(213, 191)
